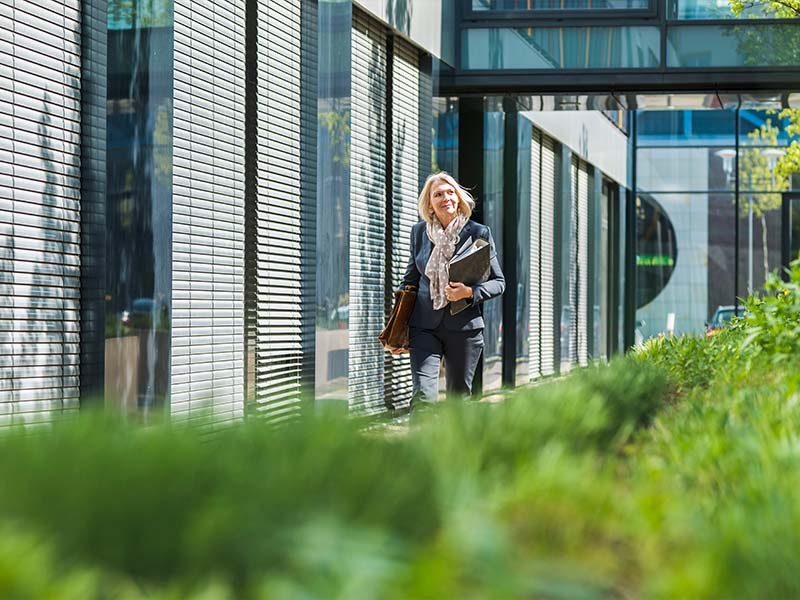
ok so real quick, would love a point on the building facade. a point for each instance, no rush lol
(206, 205)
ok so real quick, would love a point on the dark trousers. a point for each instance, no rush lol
(461, 351)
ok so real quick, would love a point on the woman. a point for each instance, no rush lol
(446, 230)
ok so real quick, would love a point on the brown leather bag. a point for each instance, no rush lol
(395, 335)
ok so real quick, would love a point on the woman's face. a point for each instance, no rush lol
(444, 202)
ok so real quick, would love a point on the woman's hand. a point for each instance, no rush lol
(456, 290)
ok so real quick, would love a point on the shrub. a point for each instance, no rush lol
(772, 319)
(167, 504)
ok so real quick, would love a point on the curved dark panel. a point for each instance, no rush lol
(657, 250)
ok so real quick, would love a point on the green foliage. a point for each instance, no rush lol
(166, 504)
(129, 14)
(337, 125)
(772, 319)
(596, 409)
(673, 473)
(777, 9)
(765, 45)
(692, 361)
(755, 172)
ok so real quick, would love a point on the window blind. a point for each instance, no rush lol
(367, 215)
(280, 208)
(40, 113)
(547, 257)
(407, 89)
(207, 348)
(535, 289)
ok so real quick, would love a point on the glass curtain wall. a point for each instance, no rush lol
(690, 166)
(491, 211)
(522, 260)
(559, 5)
(764, 135)
(444, 150)
(603, 276)
(139, 204)
(685, 218)
(333, 203)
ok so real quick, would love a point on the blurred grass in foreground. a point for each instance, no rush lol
(673, 473)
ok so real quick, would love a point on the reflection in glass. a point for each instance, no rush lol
(656, 250)
(682, 169)
(759, 239)
(685, 261)
(790, 237)
(139, 204)
(717, 9)
(565, 5)
(603, 275)
(444, 153)
(697, 128)
(763, 139)
(523, 257)
(560, 48)
(491, 209)
(767, 127)
(746, 45)
(686, 219)
(333, 204)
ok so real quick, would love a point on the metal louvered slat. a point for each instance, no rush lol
(407, 92)
(569, 355)
(280, 207)
(581, 314)
(534, 286)
(40, 186)
(367, 214)
(207, 350)
(547, 258)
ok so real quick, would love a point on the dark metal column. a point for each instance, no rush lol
(629, 323)
(93, 201)
(510, 242)
(471, 173)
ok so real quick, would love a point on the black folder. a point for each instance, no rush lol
(470, 268)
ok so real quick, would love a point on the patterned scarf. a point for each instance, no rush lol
(444, 245)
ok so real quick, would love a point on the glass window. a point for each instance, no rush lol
(697, 128)
(660, 123)
(566, 5)
(685, 261)
(790, 236)
(523, 258)
(603, 274)
(560, 48)
(767, 127)
(139, 205)
(759, 239)
(720, 9)
(333, 202)
(492, 210)
(684, 169)
(444, 153)
(734, 46)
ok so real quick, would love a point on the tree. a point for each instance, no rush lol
(772, 44)
(776, 9)
(763, 183)
(759, 46)
(139, 14)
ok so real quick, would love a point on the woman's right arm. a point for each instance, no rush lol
(411, 276)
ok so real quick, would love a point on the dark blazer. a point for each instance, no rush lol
(424, 315)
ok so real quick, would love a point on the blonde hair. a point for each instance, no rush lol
(465, 200)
